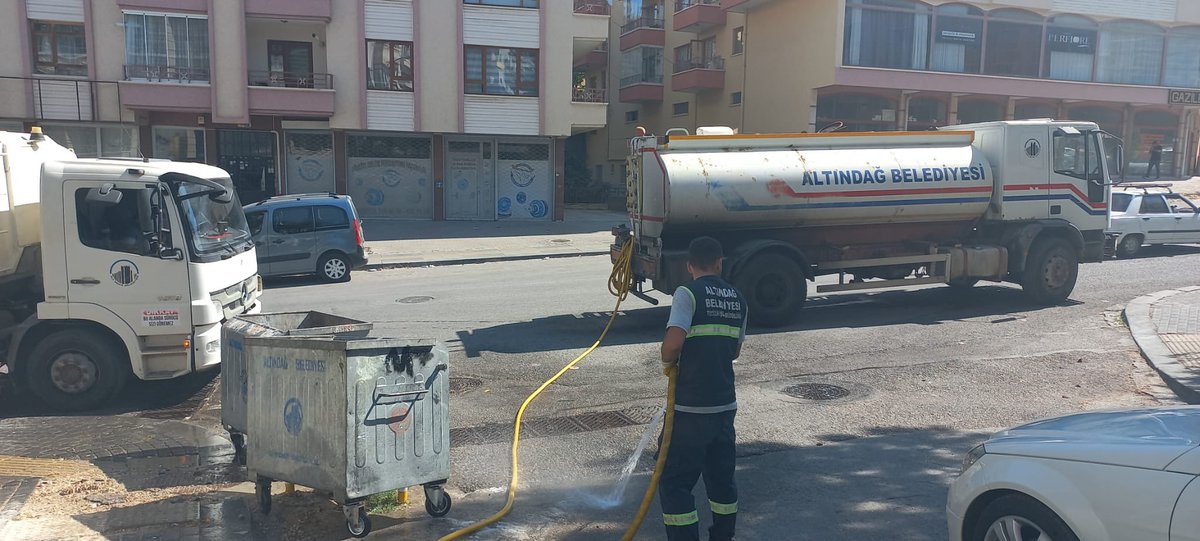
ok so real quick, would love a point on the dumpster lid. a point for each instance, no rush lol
(333, 343)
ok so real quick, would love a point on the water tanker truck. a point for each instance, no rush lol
(114, 267)
(1015, 201)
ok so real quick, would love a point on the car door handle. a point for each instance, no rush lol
(86, 281)
(278, 241)
(1145, 219)
(1179, 217)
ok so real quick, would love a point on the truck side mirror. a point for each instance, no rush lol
(1121, 162)
(223, 196)
(106, 195)
(174, 254)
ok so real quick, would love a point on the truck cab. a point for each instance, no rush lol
(141, 262)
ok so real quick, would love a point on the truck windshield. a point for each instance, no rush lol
(212, 227)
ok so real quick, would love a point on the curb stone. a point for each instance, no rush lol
(1180, 379)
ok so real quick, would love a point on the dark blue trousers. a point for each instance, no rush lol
(701, 444)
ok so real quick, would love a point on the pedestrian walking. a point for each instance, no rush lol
(1155, 160)
(705, 333)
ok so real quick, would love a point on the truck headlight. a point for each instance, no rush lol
(212, 347)
(972, 457)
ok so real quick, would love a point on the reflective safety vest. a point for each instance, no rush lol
(705, 380)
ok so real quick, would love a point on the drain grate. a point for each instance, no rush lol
(464, 384)
(817, 391)
(415, 300)
(543, 427)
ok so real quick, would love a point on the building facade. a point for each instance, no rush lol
(418, 109)
(800, 65)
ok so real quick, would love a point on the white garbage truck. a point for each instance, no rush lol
(114, 267)
(1015, 201)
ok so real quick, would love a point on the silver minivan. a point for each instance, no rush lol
(307, 234)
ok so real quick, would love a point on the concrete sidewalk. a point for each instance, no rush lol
(392, 244)
(1166, 326)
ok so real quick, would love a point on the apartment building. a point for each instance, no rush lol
(799, 65)
(418, 109)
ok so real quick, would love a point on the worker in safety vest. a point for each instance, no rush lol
(704, 335)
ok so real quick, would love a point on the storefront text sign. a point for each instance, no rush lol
(1184, 97)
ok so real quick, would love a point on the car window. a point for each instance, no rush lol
(1120, 202)
(255, 221)
(1180, 205)
(1154, 204)
(290, 221)
(331, 218)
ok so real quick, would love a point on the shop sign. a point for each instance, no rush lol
(1071, 40)
(953, 30)
(1184, 97)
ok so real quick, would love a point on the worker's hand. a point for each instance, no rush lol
(668, 367)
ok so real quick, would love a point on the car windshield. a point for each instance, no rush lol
(1121, 202)
(212, 226)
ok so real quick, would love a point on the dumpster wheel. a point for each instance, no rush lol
(357, 521)
(437, 502)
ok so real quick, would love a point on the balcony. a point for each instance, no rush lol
(589, 109)
(643, 31)
(591, 7)
(589, 95)
(595, 58)
(290, 9)
(741, 5)
(60, 99)
(697, 15)
(143, 88)
(698, 74)
(641, 87)
(166, 74)
(291, 93)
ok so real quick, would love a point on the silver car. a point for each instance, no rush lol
(307, 234)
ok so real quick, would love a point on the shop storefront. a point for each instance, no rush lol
(390, 176)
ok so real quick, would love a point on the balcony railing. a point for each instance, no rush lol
(591, 7)
(61, 99)
(288, 79)
(169, 74)
(642, 22)
(589, 95)
(642, 78)
(681, 5)
(710, 63)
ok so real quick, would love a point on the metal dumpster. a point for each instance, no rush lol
(349, 417)
(235, 379)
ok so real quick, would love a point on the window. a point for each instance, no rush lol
(887, 34)
(330, 218)
(1179, 205)
(1070, 48)
(631, 116)
(255, 221)
(1074, 154)
(1183, 58)
(958, 42)
(113, 227)
(532, 4)
(735, 98)
(290, 221)
(111, 141)
(501, 72)
(390, 65)
(179, 144)
(1034, 110)
(680, 108)
(739, 40)
(1012, 43)
(642, 65)
(1154, 204)
(683, 58)
(166, 47)
(59, 49)
(383, 146)
(859, 112)
(1130, 52)
(926, 114)
(1121, 201)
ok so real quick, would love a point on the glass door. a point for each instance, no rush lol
(290, 63)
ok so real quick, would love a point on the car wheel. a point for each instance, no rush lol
(1017, 516)
(334, 267)
(1129, 246)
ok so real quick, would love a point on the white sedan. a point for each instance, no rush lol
(1104, 476)
(1141, 216)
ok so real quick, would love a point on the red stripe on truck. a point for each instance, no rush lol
(1082, 196)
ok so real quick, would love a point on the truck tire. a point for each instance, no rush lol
(1130, 245)
(75, 370)
(1050, 271)
(774, 288)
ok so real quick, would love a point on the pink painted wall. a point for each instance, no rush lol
(698, 14)
(698, 79)
(299, 9)
(166, 97)
(265, 100)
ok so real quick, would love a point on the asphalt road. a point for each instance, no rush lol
(928, 372)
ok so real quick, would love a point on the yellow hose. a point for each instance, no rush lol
(619, 284)
(668, 424)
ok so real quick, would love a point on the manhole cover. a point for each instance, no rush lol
(414, 300)
(817, 391)
(463, 384)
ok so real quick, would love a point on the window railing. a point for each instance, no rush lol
(61, 99)
(704, 63)
(642, 78)
(681, 5)
(589, 95)
(642, 22)
(591, 7)
(170, 74)
(287, 79)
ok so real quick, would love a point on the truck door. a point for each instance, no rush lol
(262, 239)
(1077, 179)
(113, 266)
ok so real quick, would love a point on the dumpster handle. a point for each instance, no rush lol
(404, 393)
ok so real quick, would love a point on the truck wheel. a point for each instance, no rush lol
(1129, 246)
(1050, 271)
(73, 370)
(774, 288)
